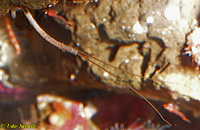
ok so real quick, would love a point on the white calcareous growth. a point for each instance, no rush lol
(137, 28)
(193, 45)
(172, 12)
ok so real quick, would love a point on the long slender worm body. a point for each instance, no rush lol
(74, 51)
